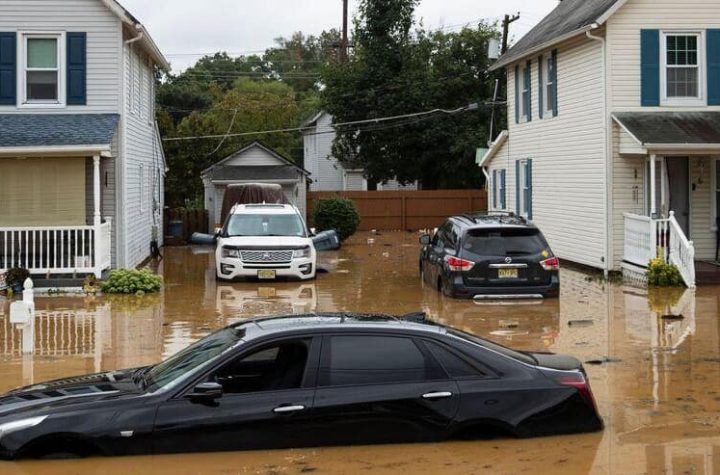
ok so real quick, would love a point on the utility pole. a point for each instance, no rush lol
(345, 44)
(506, 30)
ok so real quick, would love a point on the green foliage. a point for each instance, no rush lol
(398, 68)
(16, 277)
(336, 213)
(131, 281)
(663, 274)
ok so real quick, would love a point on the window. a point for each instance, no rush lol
(498, 189)
(350, 360)
(504, 242)
(526, 91)
(549, 77)
(717, 194)
(682, 64)
(524, 191)
(275, 368)
(453, 364)
(42, 69)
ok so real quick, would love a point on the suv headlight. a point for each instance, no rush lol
(15, 426)
(232, 253)
(302, 253)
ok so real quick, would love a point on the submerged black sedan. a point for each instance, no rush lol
(303, 381)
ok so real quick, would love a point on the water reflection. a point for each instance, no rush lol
(654, 361)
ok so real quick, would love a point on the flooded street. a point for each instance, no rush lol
(654, 362)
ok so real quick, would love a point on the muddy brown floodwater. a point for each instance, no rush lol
(658, 387)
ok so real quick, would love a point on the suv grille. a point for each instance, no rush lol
(267, 257)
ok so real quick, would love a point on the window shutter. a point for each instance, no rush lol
(528, 81)
(529, 195)
(77, 69)
(495, 188)
(713, 61)
(650, 67)
(8, 69)
(554, 83)
(541, 87)
(503, 200)
(518, 96)
(517, 187)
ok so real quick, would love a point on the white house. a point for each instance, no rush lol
(327, 173)
(255, 163)
(613, 146)
(81, 162)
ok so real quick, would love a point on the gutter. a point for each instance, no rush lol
(102, 150)
(608, 150)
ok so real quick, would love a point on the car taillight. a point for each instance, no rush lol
(579, 382)
(456, 264)
(551, 264)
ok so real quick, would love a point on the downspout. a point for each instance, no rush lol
(607, 152)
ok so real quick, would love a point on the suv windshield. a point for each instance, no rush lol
(504, 242)
(265, 225)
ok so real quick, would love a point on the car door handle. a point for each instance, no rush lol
(288, 409)
(438, 395)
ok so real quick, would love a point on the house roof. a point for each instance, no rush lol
(313, 119)
(255, 173)
(494, 147)
(671, 128)
(256, 144)
(570, 18)
(57, 130)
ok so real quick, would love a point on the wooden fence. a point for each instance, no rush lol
(406, 210)
(193, 221)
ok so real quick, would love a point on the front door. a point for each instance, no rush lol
(267, 397)
(678, 170)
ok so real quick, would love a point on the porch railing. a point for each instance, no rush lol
(57, 249)
(647, 238)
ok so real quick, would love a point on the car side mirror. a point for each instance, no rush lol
(206, 393)
(425, 239)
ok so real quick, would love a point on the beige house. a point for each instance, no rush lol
(81, 162)
(613, 146)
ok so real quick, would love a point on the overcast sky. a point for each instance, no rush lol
(186, 29)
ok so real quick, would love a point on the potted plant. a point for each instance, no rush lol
(15, 278)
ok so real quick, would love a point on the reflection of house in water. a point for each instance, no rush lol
(236, 302)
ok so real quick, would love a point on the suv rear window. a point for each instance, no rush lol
(504, 242)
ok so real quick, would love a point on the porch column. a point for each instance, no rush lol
(664, 205)
(653, 187)
(96, 188)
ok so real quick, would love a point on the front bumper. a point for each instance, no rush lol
(461, 291)
(229, 268)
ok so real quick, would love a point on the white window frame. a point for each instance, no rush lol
(525, 111)
(701, 100)
(548, 85)
(22, 101)
(523, 188)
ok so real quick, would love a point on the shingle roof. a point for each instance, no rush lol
(47, 130)
(569, 16)
(672, 128)
(255, 173)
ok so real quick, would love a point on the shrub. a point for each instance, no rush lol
(663, 274)
(339, 214)
(130, 281)
(16, 277)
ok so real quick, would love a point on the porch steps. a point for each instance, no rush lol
(707, 273)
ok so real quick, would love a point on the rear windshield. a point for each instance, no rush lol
(503, 350)
(504, 242)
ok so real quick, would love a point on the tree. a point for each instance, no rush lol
(397, 69)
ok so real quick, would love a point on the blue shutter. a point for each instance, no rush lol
(554, 74)
(541, 87)
(503, 197)
(529, 195)
(77, 69)
(650, 67)
(713, 61)
(495, 189)
(528, 83)
(518, 97)
(517, 187)
(8, 69)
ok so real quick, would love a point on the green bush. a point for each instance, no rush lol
(130, 281)
(339, 214)
(663, 274)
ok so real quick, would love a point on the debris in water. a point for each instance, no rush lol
(581, 323)
(604, 360)
(371, 241)
(673, 317)
(509, 324)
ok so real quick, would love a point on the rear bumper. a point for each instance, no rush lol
(461, 291)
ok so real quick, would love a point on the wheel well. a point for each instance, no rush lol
(59, 444)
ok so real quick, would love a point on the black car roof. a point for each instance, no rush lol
(481, 221)
(259, 327)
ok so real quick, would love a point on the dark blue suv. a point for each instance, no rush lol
(490, 256)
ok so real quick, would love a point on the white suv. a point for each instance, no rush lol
(265, 241)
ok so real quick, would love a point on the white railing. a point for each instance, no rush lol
(57, 249)
(646, 238)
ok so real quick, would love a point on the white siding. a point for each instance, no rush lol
(254, 157)
(326, 171)
(623, 34)
(701, 208)
(103, 30)
(567, 153)
(355, 181)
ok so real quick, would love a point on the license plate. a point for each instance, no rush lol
(266, 274)
(508, 273)
(267, 292)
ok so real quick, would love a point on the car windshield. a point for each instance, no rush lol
(504, 242)
(171, 371)
(503, 350)
(265, 225)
